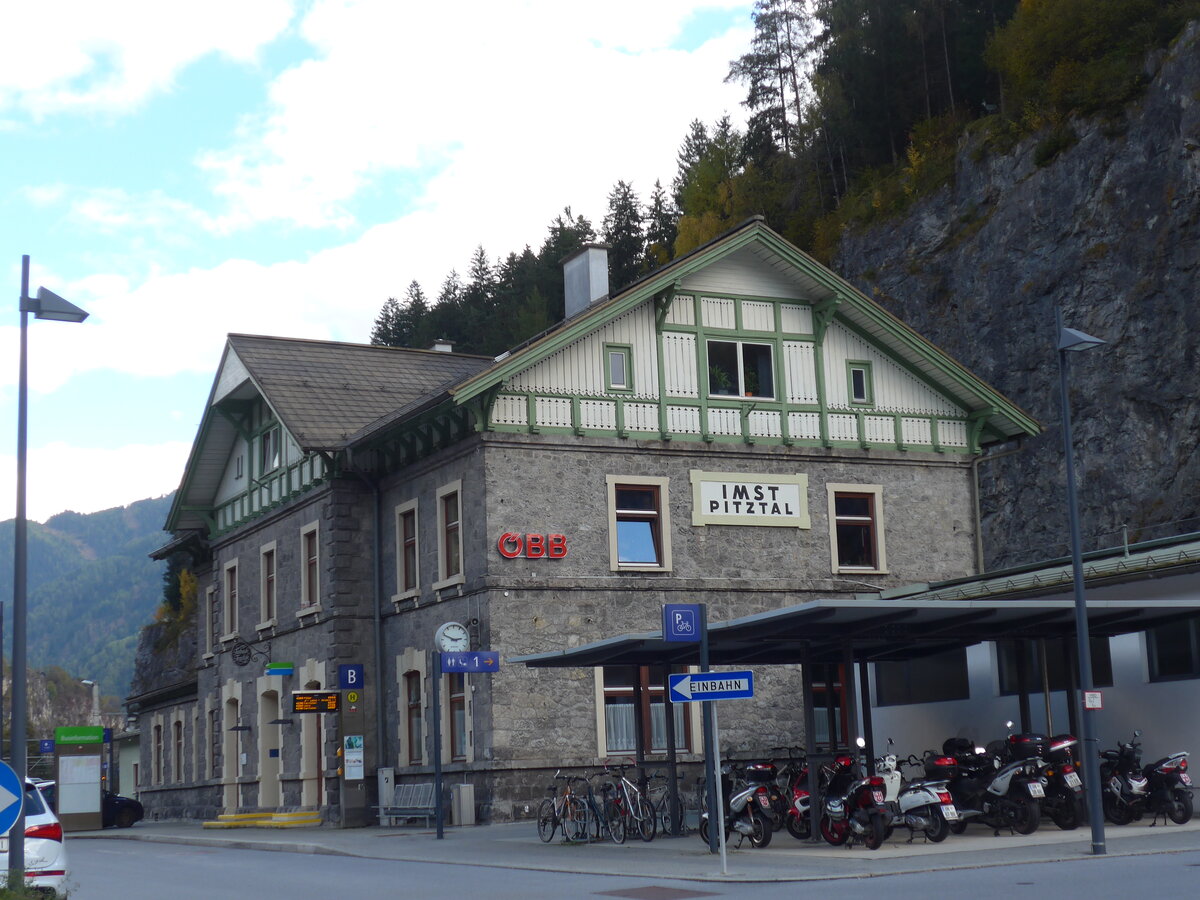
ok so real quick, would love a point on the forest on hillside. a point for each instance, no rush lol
(855, 110)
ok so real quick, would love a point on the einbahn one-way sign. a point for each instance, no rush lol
(692, 688)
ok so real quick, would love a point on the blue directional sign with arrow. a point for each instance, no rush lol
(692, 688)
(12, 797)
(472, 661)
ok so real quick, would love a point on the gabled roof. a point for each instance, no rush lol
(810, 282)
(323, 393)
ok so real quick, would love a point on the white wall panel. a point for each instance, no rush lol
(717, 312)
(804, 426)
(880, 429)
(510, 410)
(800, 367)
(916, 431)
(553, 412)
(952, 433)
(679, 364)
(641, 417)
(724, 421)
(843, 428)
(895, 389)
(683, 419)
(744, 272)
(598, 414)
(764, 423)
(758, 316)
(796, 319)
(579, 368)
(682, 311)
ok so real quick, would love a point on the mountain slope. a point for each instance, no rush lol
(1108, 229)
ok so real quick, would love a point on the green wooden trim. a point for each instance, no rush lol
(625, 350)
(822, 400)
(531, 413)
(620, 418)
(822, 316)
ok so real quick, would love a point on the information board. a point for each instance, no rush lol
(315, 701)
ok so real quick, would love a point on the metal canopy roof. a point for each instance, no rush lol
(877, 630)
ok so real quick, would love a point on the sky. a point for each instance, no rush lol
(183, 171)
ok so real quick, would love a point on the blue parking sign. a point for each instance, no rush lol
(681, 621)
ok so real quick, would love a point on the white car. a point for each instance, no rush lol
(45, 852)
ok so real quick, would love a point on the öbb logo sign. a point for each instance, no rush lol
(532, 546)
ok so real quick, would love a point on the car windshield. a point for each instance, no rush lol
(33, 801)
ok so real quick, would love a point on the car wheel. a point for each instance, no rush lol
(125, 818)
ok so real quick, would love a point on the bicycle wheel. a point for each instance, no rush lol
(574, 819)
(547, 821)
(647, 822)
(615, 822)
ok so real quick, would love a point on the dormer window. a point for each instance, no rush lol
(618, 367)
(861, 392)
(740, 369)
(268, 458)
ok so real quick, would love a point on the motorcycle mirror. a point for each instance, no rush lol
(1138, 733)
(861, 741)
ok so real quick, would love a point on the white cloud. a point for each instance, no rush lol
(80, 55)
(57, 481)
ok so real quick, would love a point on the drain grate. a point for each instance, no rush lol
(655, 892)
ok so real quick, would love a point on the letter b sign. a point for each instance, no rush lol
(350, 677)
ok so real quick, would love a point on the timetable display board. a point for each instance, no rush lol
(316, 701)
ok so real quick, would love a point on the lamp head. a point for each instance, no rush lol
(1071, 339)
(48, 305)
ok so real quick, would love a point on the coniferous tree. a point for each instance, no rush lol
(416, 309)
(622, 231)
(387, 325)
(661, 230)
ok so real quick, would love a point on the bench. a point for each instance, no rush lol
(411, 801)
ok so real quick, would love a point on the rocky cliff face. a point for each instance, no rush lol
(1109, 231)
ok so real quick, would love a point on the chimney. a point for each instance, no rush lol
(441, 345)
(585, 277)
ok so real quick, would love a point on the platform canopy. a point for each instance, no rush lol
(876, 629)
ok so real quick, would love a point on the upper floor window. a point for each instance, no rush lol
(1174, 650)
(209, 614)
(741, 369)
(231, 599)
(639, 526)
(408, 576)
(178, 760)
(618, 372)
(856, 532)
(158, 754)
(861, 391)
(310, 567)
(450, 556)
(267, 587)
(269, 450)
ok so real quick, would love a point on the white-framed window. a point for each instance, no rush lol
(177, 755)
(310, 568)
(459, 742)
(408, 567)
(859, 384)
(414, 716)
(266, 586)
(856, 528)
(412, 701)
(618, 367)
(209, 614)
(269, 450)
(449, 524)
(741, 369)
(157, 760)
(229, 618)
(639, 523)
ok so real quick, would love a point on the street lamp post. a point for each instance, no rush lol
(46, 305)
(1070, 341)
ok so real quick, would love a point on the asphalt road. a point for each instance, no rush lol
(131, 870)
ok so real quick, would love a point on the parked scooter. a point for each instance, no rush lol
(1064, 801)
(923, 806)
(1130, 790)
(744, 814)
(987, 789)
(768, 795)
(853, 806)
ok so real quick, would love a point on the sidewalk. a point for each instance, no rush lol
(516, 846)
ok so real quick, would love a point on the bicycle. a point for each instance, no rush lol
(603, 818)
(562, 810)
(634, 806)
(660, 799)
